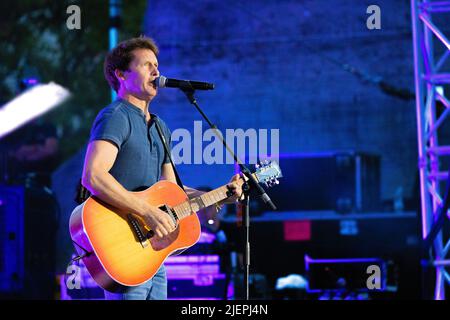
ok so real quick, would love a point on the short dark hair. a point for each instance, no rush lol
(121, 56)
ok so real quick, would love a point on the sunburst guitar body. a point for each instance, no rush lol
(117, 247)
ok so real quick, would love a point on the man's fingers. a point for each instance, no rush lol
(169, 226)
(234, 185)
(159, 233)
(166, 222)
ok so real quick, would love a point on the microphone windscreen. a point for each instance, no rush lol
(160, 82)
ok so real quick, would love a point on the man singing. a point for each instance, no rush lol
(125, 152)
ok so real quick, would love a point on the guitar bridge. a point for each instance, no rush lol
(144, 235)
(140, 234)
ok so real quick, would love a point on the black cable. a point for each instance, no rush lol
(84, 255)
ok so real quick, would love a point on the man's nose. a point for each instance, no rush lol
(154, 72)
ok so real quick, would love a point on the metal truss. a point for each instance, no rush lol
(430, 81)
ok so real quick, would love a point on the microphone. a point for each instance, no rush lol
(163, 82)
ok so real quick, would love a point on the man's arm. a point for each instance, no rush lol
(100, 157)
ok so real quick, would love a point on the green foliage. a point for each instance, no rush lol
(35, 39)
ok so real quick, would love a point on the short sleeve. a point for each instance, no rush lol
(111, 125)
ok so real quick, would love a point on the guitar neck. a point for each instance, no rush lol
(205, 200)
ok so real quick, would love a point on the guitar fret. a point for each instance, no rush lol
(176, 211)
(195, 206)
(214, 196)
(218, 195)
(186, 208)
(222, 194)
(180, 212)
(211, 198)
(203, 199)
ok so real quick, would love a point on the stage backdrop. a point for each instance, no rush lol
(306, 68)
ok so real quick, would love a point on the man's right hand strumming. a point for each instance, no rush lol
(158, 221)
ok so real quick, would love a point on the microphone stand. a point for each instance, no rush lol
(251, 183)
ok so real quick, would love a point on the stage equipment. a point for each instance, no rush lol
(343, 181)
(11, 239)
(430, 77)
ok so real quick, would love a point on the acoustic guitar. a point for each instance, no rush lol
(119, 249)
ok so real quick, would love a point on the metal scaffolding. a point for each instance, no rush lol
(430, 82)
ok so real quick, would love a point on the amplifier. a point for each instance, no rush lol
(195, 277)
(342, 181)
(344, 274)
(280, 240)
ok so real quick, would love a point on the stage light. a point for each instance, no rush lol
(30, 104)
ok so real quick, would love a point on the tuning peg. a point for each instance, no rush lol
(257, 165)
(276, 181)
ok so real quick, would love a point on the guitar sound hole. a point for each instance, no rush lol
(170, 212)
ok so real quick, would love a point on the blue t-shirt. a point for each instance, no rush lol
(141, 152)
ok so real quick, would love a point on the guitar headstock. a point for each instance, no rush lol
(268, 172)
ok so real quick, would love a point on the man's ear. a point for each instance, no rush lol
(119, 74)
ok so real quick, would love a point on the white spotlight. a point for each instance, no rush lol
(30, 104)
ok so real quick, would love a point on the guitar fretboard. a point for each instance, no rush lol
(205, 200)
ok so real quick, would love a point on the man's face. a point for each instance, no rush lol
(143, 69)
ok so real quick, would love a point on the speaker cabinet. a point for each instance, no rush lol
(11, 239)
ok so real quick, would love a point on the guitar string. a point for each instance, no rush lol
(185, 209)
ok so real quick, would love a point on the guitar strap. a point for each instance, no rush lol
(167, 150)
